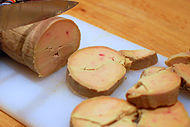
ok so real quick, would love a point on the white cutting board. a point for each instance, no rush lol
(48, 102)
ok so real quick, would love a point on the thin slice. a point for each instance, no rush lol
(159, 89)
(173, 116)
(183, 57)
(103, 112)
(151, 70)
(44, 46)
(95, 71)
(183, 70)
(141, 58)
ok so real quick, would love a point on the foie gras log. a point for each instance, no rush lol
(44, 46)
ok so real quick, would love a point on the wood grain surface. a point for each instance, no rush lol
(161, 25)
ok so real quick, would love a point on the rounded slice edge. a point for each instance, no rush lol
(151, 70)
(103, 111)
(183, 70)
(159, 89)
(95, 71)
(183, 57)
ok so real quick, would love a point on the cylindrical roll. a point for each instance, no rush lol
(43, 46)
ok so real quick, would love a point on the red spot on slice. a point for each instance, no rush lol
(101, 54)
(67, 32)
(154, 120)
(169, 111)
(47, 34)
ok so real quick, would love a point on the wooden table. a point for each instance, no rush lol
(161, 25)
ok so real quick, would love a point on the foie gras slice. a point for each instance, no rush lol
(141, 58)
(95, 71)
(158, 89)
(103, 111)
(172, 116)
(183, 57)
(183, 70)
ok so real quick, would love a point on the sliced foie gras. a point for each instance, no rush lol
(151, 70)
(183, 57)
(158, 89)
(103, 112)
(183, 70)
(43, 46)
(95, 71)
(172, 116)
(141, 58)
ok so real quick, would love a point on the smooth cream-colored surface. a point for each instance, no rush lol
(65, 37)
(156, 84)
(98, 68)
(103, 110)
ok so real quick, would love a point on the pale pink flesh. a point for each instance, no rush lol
(59, 41)
(159, 83)
(96, 68)
(103, 110)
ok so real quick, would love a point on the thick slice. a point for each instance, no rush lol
(103, 112)
(183, 70)
(95, 71)
(151, 70)
(43, 46)
(141, 58)
(183, 57)
(173, 116)
(158, 89)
